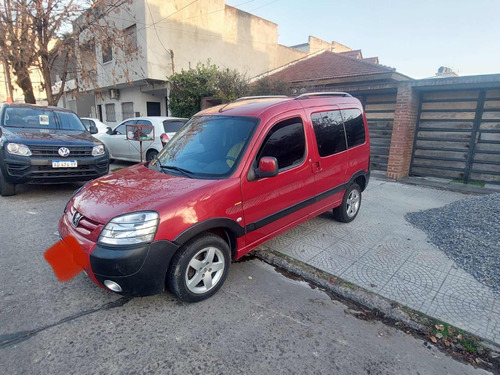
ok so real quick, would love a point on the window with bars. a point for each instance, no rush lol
(110, 112)
(127, 110)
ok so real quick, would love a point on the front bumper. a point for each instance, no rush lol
(24, 169)
(140, 270)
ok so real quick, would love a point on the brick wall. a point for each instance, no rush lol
(403, 132)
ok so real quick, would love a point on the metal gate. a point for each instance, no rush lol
(458, 136)
(379, 110)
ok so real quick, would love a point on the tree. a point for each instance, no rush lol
(52, 35)
(189, 87)
(269, 86)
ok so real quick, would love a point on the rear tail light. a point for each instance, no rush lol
(164, 139)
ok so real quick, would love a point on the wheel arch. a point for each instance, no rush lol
(361, 178)
(225, 228)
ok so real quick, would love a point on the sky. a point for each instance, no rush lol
(414, 36)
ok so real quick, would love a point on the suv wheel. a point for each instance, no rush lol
(199, 269)
(351, 203)
(6, 188)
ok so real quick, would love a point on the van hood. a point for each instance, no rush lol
(136, 188)
(29, 136)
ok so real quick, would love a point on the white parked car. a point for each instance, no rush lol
(121, 148)
(102, 128)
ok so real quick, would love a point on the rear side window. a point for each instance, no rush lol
(329, 132)
(354, 127)
(172, 126)
(87, 123)
(286, 142)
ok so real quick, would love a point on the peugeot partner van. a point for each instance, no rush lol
(232, 178)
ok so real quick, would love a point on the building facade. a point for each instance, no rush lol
(176, 35)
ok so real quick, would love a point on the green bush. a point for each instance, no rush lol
(189, 87)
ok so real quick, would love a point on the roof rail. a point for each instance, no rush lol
(313, 94)
(261, 97)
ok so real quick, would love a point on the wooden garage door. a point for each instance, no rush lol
(458, 136)
(379, 111)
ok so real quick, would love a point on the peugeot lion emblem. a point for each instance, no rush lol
(63, 151)
(76, 219)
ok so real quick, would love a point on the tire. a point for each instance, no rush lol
(351, 203)
(6, 188)
(151, 155)
(205, 259)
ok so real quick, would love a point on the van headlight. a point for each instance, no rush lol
(98, 150)
(130, 229)
(18, 149)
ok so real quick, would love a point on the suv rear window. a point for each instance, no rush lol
(35, 118)
(329, 132)
(172, 126)
(354, 127)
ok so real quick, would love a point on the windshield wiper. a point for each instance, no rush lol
(185, 172)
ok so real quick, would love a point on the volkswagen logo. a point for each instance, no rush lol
(76, 219)
(63, 151)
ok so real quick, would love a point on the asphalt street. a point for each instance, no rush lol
(260, 322)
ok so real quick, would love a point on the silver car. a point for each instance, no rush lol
(121, 147)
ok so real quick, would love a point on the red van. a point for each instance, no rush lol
(232, 178)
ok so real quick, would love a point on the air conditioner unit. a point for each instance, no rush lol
(114, 93)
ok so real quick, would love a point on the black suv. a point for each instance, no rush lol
(41, 144)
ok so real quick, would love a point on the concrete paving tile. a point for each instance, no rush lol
(417, 274)
(318, 221)
(319, 239)
(331, 263)
(431, 258)
(336, 229)
(416, 295)
(280, 242)
(391, 249)
(494, 325)
(466, 303)
(296, 232)
(366, 276)
(471, 314)
(347, 249)
(366, 239)
(301, 251)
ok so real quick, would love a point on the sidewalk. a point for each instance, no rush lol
(382, 253)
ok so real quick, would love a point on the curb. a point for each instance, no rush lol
(349, 292)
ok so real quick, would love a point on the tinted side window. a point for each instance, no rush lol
(354, 127)
(286, 142)
(121, 129)
(144, 122)
(172, 126)
(329, 132)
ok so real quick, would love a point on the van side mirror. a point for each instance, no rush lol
(93, 129)
(268, 167)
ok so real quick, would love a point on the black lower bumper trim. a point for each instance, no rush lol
(139, 271)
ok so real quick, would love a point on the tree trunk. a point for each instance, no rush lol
(24, 82)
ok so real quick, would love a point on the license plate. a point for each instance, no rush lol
(64, 164)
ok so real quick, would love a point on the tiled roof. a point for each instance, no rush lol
(325, 65)
(371, 60)
(355, 54)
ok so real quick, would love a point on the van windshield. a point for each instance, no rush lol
(41, 118)
(207, 147)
